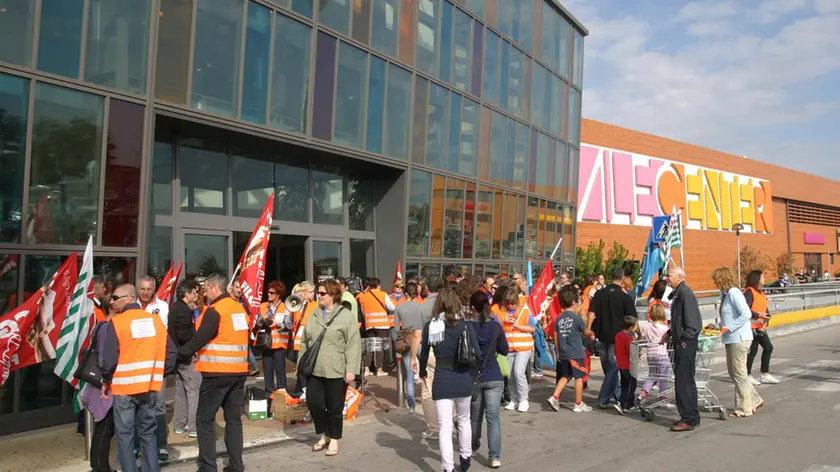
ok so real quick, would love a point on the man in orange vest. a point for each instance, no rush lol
(377, 308)
(221, 345)
(137, 353)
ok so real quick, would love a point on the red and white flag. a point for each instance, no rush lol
(538, 299)
(397, 274)
(12, 325)
(167, 285)
(251, 268)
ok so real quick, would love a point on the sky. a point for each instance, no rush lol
(756, 78)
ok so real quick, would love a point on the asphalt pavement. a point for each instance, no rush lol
(797, 431)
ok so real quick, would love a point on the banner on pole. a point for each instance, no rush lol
(252, 263)
(538, 298)
(167, 285)
(77, 324)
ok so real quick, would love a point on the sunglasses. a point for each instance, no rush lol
(117, 297)
(272, 292)
(323, 294)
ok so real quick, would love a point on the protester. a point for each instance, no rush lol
(623, 340)
(686, 324)
(465, 289)
(100, 406)
(99, 315)
(757, 301)
(569, 330)
(377, 308)
(410, 317)
(235, 291)
(147, 297)
(432, 284)
(452, 274)
(337, 364)
(735, 318)
(187, 380)
(655, 332)
(274, 317)
(452, 387)
(516, 322)
(487, 397)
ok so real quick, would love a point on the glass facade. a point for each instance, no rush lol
(427, 131)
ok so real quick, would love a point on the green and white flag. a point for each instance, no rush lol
(673, 236)
(76, 327)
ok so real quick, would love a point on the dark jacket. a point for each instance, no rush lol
(109, 351)
(686, 320)
(181, 325)
(451, 381)
(484, 333)
(610, 305)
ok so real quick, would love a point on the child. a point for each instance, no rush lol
(568, 337)
(622, 358)
(657, 354)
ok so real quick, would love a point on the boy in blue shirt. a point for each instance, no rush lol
(569, 331)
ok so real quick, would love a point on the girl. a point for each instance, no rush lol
(657, 355)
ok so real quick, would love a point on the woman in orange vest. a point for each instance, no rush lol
(273, 315)
(588, 292)
(516, 323)
(757, 301)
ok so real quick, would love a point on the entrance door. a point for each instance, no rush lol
(206, 252)
(286, 260)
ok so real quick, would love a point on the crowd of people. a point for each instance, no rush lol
(473, 342)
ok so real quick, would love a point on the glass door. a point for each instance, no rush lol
(326, 260)
(206, 252)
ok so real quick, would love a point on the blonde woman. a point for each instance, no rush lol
(735, 316)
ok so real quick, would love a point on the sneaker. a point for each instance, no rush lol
(368, 373)
(554, 403)
(411, 410)
(582, 408)
(769, 379)
(510, 406)
(180, 430)
(537, 375)
(382, 373)
(618, 409)
(669, 406)
(429, 435)
(163, 455)
(193, 434)
(253, 373)
(523, 407)
(754, 381)
(495, 464)
(465, 464)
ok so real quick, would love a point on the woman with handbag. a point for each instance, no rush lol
(490, 385)
(330, 358)
(275, 337)
(455, 348)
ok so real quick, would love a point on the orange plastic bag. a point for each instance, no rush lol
(352, 401)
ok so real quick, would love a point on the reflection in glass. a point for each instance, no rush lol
(510, 150)
(202, 168)
(505, 15)
(445, 60)
(462, 74)
(568, 245)
(515, 84)
(491, 68)
(115, 270)
(376, 105)
(520, 157)
(290, 76)
(548, 53)
(419, 203)
(574, 116)
(541, 232)
(429, 270)
(361, 21)
(291, 183)
(173, 45)
(542, 177)
(560, 171)
(123, 160)
(14, 100)
(574, 162)
(412, 270)
(335, 14)
(526, 19)
(484, 144)
(498, 148)
(205, 255)
(117, 44)
(322, 113)
(158, 251)
(531, 227)
(398, 104)
(509, 227)
(437, 126)
(350, 96)
(438, 202)
(64, 173)
(427, 21)
(469, 138)
(455, 109)
(218, 33)
(418, 131)
(384, 37)
(361, 199)
(537, 96)
(361, 257)
(469, 218)
(303, 7)
(520, 227)
(60, 37)
(564, 32)
(17, 26)
(504, 69)
(483, 222)
(407, 27)
(9, 265)
(453, 218)
(478, 50)
(556, 104)
(327, 196)
(326, 260)
(252, 182)
(162, 172)
(578, 62)
(551, 219)
(498, 205)
(255, 72)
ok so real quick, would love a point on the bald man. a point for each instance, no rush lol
(686, 325)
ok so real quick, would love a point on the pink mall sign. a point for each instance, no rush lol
(814, 238)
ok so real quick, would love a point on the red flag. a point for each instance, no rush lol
(9, 263)
(167, 285)
(397, 274)
(538, 299)
(252, 263)
(12, 325)
(41, 337)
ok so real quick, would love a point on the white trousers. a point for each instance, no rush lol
(518, 381)
(445, 409)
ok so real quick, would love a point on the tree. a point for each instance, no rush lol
(753, 259)
(208, 266)
(589, 260)
(784, 265)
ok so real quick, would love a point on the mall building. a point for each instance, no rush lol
(627, 178)
(425, 131)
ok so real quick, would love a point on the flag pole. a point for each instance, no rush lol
(556, 247)
(682, 239)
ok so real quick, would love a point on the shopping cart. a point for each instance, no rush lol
(652, 361)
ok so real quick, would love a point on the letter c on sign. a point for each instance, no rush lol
(671, 188)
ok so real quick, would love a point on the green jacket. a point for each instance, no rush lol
(341, 349)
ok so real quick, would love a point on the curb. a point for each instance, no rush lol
(796, 328)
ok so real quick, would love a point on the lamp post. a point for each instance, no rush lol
(738, 227)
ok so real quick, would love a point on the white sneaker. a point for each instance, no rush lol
(754, 381)
(523, 407)
(554, 403)
(618, 408)
(768, 379)
(582, 408)
(495, 464)
(429, 435)
(537, 375)
(510, 406)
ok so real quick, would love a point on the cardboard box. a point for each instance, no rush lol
(285, 413)
(257, 410)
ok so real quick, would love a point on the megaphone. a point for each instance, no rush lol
(294, 304)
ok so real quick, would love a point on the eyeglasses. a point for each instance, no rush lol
(272, 292)
(323, 294)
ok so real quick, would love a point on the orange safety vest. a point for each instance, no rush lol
(98, 313)
(142, 340)
(227, 353)
(586, 299)
(759, 305)
(373, 307)
(279, 339)
(301, 318)
(517, 340)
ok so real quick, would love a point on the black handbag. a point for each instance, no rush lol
(306, 364)
(465, 357)
(88, 370)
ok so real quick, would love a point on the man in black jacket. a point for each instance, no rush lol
(187, 380)
(686, 324)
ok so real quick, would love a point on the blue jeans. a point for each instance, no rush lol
(611, 388)
(274, 369)
(488, 404)
(252, 361)
(409, 380)
(162, 431)
(136, 413)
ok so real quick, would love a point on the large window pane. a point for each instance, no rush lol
(291, 191)
(117, 44)
(255, 74)
(498, 148)
(531, 227)
(162, 172)
(60, 37)
(491, 68)
(504, 70)
(427, 22)
(202, 168)
(326, 260)
(376, 105)
(361, 21)
(560, 171)
(574, 163)
(509, 227)
(408, 20)
(121, 209)
(568, 245)
(419, 203)
(453, 218)
(64, 174)
(520, 227)
(16, 31)
(322, 113)
(290, 75)
(384, 30)
(483, 222)
(548, 52)
(14, 102)
(515, 83)
(252, 181)
(396, 115)
(578, 62)
(360, 203)
(526, 16)
(498, 204)
(335, 14)
(445, 61)
(205, 255)
(520, 156)
(483, 170)
(421, 99)
(437, 126)
(158, 251)
(462, 74)
(564, 34)
(477, 7)
(538, 97)
(556, 105)
(9, 266)
(469, 220)
(327, 196)
(469, 137)
(505, 15)
(574, 116)
(541, 232)
(510, 151)
(303, 7)
(478, 51)
(361, 258)
(542, 177)
(350, 96)
(173, 46)
(455, 109)
(218, 33)
(438, 202)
